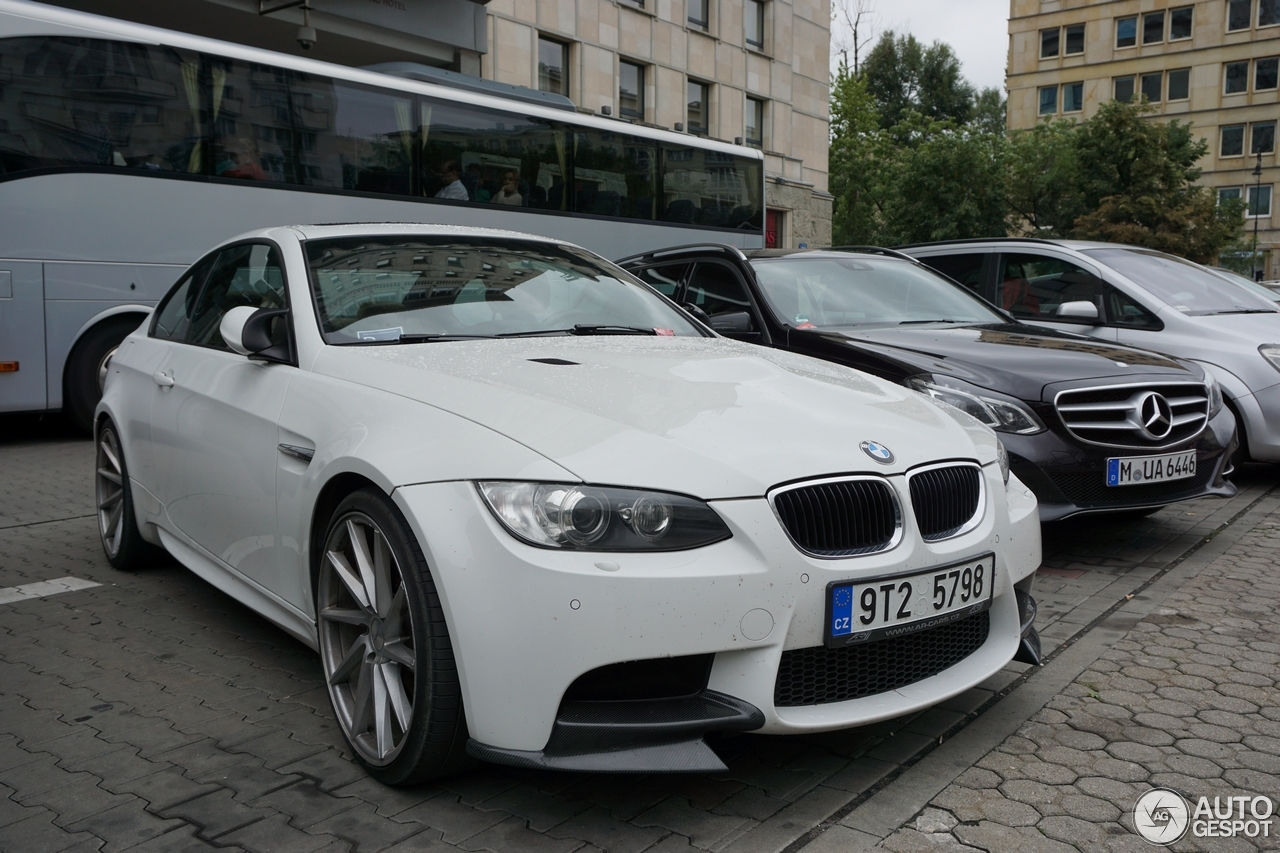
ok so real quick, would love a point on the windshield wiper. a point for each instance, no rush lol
(917, 322)
(423, 339)
(1246, 311)
(607, 329)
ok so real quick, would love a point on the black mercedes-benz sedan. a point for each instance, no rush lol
(1089, 426)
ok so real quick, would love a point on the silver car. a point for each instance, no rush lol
(1138, 297)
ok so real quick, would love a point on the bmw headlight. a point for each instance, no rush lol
(578, 517)
(1271, 352)
(1002, 415)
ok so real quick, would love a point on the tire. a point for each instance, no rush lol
(384, 646)
(117, 525)
(86, 368)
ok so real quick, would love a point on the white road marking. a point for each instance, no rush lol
(11, 594)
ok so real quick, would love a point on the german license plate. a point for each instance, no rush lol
(1131, 470)
(858, 611)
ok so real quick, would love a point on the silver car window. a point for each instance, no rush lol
(1181, 284)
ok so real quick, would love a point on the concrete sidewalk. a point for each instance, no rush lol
(1176, 689)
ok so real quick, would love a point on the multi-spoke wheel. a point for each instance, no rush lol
(384, 646)
(117, 527)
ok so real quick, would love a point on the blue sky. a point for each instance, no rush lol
(976, 29)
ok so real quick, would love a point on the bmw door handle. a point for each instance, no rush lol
(162, 379)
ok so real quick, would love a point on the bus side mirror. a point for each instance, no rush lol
(248, 331)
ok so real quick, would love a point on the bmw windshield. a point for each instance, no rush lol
(1181, 284)
(832, 292)
(413, 289)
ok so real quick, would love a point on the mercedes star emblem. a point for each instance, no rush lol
(1155, 415)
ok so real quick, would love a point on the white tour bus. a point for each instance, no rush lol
(127, 151)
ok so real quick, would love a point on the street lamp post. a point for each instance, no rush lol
(1257, 209)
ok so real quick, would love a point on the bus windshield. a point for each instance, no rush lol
(398, 289)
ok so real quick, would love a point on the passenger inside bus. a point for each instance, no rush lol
(510, 192)
(241, 160)
(451, 176)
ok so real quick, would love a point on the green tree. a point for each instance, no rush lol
(989, 111)
(1044, 194)
(902, 74)
(1136, 180)
(855, 124)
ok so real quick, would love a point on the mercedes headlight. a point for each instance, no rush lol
(1215, 394)
(1002, 457)
(1002, 415)
(1271, 352)
(578, 517)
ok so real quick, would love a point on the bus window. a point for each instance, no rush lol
(614, 174)
(484, 145)
(94, 102)
(709, 188)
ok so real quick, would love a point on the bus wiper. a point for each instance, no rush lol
(917, 322)
(606, 329)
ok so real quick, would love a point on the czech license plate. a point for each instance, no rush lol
(858, 611)
(1131, 470)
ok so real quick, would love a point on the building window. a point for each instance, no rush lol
(1228, 194)
(636, 3)
(1074, 40)
(1236, 77)
(1263, 139)
(1268, 12)
(1151, 85)
(1049, 43)
(1123, 89)
(1126, 32)
(1048, 100)
(697, 108)
(631, 90)
(1072, 97)
(700, 13)
(753, 23)
(1264, 73)
(1180, 24)
(553, 66)
(1238, 14)
(1180, 84)
(1258, 202)
(755, 123)
(1153, 27)
(1232, 141)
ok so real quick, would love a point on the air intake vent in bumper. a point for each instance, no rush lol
(840, 518)
(820, 675)
(946, 500)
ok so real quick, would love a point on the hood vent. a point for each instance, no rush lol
(556, 361)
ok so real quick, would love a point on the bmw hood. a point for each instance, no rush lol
(710, 418)
(1011, 358)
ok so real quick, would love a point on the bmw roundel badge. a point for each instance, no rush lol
(878, 452)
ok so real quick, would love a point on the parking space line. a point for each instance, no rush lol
(40, 589)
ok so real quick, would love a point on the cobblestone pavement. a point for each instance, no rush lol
(154, 713)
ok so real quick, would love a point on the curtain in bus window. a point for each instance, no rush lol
(708, 188)
(614, 174)
(94, 102)
(482, 149)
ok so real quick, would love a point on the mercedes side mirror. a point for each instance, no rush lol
(732, 323)
(252, 332)
(1082, 310)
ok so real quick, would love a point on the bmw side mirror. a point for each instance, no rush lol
(1082, 310)
(732, 323)
(260, 333)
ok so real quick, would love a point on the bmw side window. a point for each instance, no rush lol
(666, 278)
(249, 274)
(173, 316)
(715, 289)
(1034, 287)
